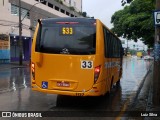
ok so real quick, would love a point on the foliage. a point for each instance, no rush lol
(60, 1)
(135, 21)
(125, 2)
(84, 14)
(72, 8)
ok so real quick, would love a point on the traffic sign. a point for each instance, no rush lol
(157, 18)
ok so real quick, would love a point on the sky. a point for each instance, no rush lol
(103, 10)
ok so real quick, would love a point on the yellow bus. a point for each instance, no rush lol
(75, 56)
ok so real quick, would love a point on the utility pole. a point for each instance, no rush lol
(127, 45)
(20, 36)
(81, 5)
(20, 43)
(156, 73)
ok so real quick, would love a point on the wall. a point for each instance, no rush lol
(78, 5)
(10, 22)
(4, 48)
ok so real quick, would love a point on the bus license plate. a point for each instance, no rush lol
(63, 84)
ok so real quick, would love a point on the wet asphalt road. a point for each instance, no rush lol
(16, 95)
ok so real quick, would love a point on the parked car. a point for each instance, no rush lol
(148, 57)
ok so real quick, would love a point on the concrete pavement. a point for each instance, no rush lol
(149, 106)
(143, 99)
(14, 65)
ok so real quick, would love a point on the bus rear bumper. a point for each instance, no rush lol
(95, 91)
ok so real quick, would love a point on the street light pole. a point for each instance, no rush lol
(20, 36)
(30, 9)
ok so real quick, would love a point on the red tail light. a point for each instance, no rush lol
(67, 22)
(33, 71)
(96, 73)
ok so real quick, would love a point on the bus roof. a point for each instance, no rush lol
(68, 19)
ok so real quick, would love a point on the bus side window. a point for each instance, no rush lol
(108, 44)
(105, 42)
(111, 47)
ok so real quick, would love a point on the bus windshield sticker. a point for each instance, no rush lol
(66, 31)
(86, 64)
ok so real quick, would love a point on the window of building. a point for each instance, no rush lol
(28, 15)
(70, 2)
(72, 15)
(44, 2)
(50, 5)
(56, 8)
(62, 11)
(74, 4)
(67, 13)
(24, 13)
(1, 2)
(15, 11)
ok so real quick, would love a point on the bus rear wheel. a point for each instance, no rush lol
(118, 83)
(111, 85)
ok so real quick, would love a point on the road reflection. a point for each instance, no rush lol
(13, 79)
(103, 103)
(134, 71)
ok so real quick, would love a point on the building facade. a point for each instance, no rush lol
(31, 11)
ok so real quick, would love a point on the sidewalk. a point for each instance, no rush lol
(143, 100)
(150, 107)
(13, 65)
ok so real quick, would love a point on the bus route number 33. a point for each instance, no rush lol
(86, 64)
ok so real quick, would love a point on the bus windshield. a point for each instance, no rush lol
(73, 39)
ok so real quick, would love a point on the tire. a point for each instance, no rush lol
(118, 83)
(111, 85)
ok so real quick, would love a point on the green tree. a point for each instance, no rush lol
(125, 2)
(84, 14)
(135, 21)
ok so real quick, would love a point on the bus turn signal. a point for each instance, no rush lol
(33, 71)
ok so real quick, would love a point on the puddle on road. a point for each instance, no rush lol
(13, 79)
